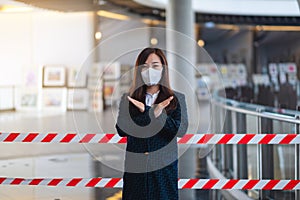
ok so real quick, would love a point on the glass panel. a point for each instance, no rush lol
(284, 159)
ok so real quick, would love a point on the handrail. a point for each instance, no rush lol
(251, 109)
(258, 111)
(230, 194)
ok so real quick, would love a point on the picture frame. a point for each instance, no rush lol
(112, 71)
(78, 99)
(126, 74)
(76, 79)
(95, 101)
(54, 76)
(28, 99)
(94, 83)
(32, 76)
(7, 103)
(111, 92)
(96, 70)
(54, 99)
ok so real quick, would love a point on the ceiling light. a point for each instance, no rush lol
(10, 8)
(209, 24)
(162, 14)
(112, 15)
(101, 2)
(227, 27)
(278, 28)
(98, 35)
(153, 41)
(155, 12)
(259, 28)
(152, 22)
(201, 43)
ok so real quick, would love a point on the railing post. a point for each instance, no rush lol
(213, 125)
(227, 149)
(259, 151)
(297, 160)
(241, 150)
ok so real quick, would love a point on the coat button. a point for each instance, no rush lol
(146, 153)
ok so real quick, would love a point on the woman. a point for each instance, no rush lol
(151, 116)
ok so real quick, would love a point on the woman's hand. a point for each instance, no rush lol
(137, 103)
(159, 108)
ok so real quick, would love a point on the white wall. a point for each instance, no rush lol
(15, 48)
(42, 38)
(122, 41)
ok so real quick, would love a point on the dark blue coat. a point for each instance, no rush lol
(151, 165)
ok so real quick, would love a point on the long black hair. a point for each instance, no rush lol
(138, 87)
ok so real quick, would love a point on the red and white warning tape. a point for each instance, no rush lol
(114, 138)
(182, 183)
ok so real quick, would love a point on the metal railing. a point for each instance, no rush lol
(255, 161)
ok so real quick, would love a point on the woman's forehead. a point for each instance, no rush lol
(153, 58)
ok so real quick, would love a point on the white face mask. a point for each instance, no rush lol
(151, 76)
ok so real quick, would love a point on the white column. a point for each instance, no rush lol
(181, 55)
(181, 48)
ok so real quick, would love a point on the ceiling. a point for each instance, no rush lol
(64, 5)
(237, 7)
(155, 9)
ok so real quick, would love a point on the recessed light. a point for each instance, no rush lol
(153, 41)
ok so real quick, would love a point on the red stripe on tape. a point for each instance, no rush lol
(36, 181)
(17, 181)
(49, 137)
(266, 139)
(87, 138)
(2, 180)
(190, 183)
(68, 138)
(210, 184)
(246, 138)
(225, 139)
(93, 182)
(30, 137)
(205, 138)
(185, 138)
(55, 182)
(112, 182)
(11, 137)
(291, 184)
(230, 184)
(74, 182)
(106, 138)
(270, 185)
(287, 139)
(250, 184)
(123, 140)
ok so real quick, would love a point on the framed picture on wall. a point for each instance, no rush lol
(111, 71)
(111, 92)
(54, 76)
(7, 97)
(96, 70)
(95, 101)
(54, 99)
(78, 99)
(76, 78)
(31, 76)
(27, 98)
